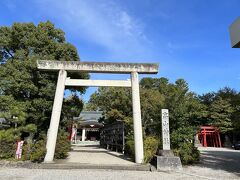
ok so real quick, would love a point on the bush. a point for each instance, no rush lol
(34, 152)
(150, 144)
(38, 151)
(129, 148)
(187, 153)
(63, 145)
(183, 146)
(7, 149)
(8, 143)
(26, 151)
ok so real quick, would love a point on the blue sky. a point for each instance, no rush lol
(189, 38)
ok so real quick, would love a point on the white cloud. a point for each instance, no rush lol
(104, 23)
(125, 23)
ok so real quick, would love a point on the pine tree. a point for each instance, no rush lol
(26, 94)
(220, 114)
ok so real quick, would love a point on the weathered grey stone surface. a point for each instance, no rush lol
(168, 153)
(98, 83)
(137, 120)
(165, 129)
(55, 118)
(167, 163)
(235, 33)
(196, 141)
(98, 67)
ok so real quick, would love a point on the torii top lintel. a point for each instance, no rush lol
(98, 67)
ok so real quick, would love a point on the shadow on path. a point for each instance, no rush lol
(220, 159)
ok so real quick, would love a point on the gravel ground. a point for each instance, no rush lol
(220, 159)
(220, 163)
(39, 174)
(7, 173)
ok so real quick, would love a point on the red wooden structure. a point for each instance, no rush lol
(209, 136)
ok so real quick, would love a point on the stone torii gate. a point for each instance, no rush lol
(96, 67)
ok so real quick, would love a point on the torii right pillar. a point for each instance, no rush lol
(137, 121)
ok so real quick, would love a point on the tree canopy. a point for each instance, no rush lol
(26, 94)
(156, 94)
(188, 111)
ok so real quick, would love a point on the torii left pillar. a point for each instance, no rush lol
(55, 118)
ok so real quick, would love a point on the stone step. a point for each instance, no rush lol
(142, 167)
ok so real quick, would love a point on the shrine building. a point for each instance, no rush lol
(88, 125)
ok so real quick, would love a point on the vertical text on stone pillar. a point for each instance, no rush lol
(165, 129)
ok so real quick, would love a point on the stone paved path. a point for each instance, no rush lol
(93, 154)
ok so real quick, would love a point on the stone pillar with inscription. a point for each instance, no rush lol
(165, 160)
(165, 130)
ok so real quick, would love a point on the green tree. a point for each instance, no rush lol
(108, 98)
(72, 106)
(185, 109)
(233, 97)
(152, 101)
(223, 109)
(26, 94)
(220, 115)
